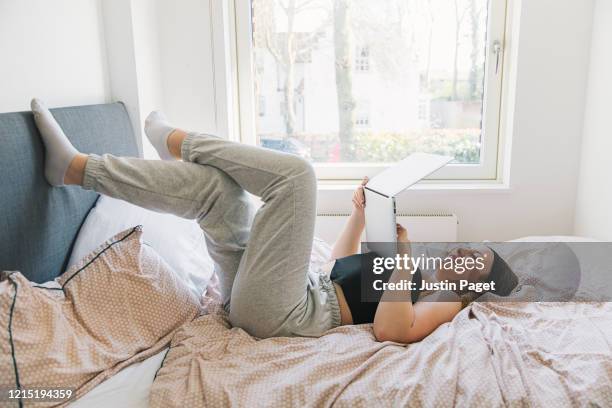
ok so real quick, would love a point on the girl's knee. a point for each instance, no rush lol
(301, 167)
(228, 221)
(247, 320)
(302, 174)
(237, 219)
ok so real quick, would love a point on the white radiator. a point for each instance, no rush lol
(421, 228)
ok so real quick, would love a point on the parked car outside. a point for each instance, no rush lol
(288, 145)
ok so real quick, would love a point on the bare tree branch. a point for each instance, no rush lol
(277, 56)
(284, 7)
(310, 40)
(303, 5)
(313, 5)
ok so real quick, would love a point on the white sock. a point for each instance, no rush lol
(157, 130)
(59, 152)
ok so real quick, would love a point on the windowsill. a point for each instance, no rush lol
(442, 185)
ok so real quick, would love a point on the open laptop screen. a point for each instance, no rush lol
(409, 171)
(380, 222)
(380, 194)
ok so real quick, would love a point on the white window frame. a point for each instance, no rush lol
(241, 55)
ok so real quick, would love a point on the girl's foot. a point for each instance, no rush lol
(158, 130)
(59, 152)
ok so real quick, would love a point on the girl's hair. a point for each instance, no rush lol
(503, 276)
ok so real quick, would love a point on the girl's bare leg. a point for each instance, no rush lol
(175, 142)
(76, 170)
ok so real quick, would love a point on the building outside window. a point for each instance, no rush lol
(362, 59)
(433, 85)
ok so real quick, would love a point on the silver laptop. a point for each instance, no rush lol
(380, 193)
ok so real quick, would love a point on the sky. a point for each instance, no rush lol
(380, 11)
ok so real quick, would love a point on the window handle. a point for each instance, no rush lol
(497, 49)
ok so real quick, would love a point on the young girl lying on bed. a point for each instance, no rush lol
(261, 257)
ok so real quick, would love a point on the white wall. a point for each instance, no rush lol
(160, 57)
(187, 68)
(57, 52)
(134, 61)
(550, 75)
(53, 50)
(594, 198)
(121, 58)
(543, 137)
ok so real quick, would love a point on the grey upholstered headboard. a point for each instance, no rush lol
(39, 223)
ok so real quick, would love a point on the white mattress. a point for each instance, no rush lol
(128, 388)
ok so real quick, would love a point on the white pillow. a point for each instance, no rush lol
(178, 241)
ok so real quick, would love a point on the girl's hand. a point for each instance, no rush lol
(359, 196)
(402, 233)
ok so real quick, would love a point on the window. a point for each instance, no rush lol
(433, 84)
(424, 112)
(362, 115)
(362, 59)
(362, 120)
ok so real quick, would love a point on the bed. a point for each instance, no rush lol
(490, 355)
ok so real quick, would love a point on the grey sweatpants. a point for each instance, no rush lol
(261, 257)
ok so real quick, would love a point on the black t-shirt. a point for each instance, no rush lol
(348, 272)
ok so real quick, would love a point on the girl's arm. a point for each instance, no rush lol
(349, 239)
(403, 322)
(394, 319)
